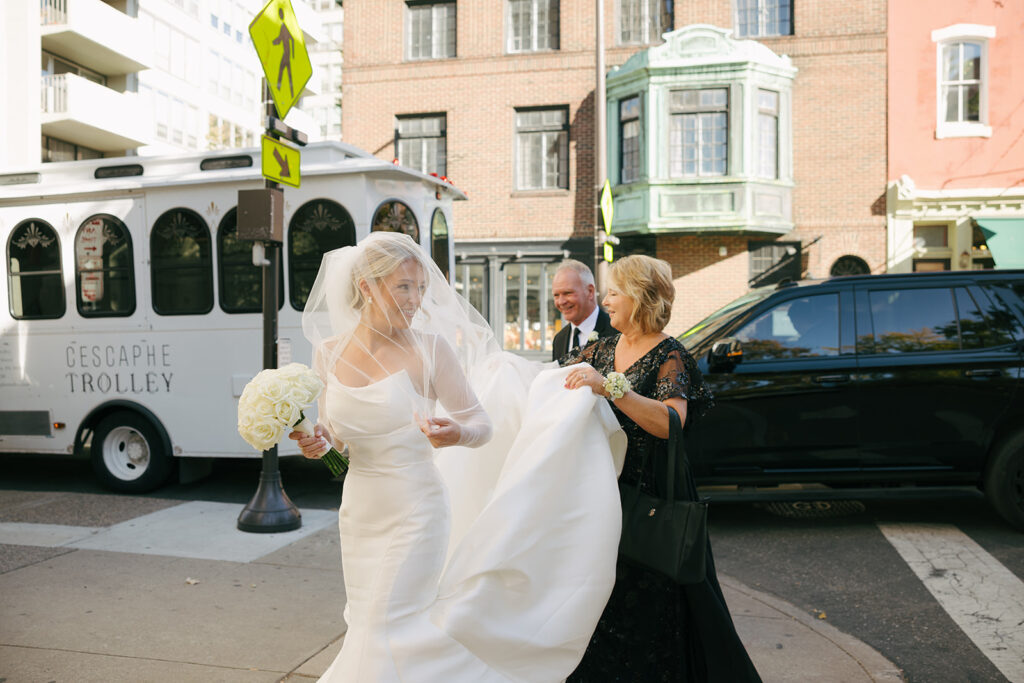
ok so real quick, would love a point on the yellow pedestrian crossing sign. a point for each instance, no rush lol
(607, 207)
(280, 162)
(282, 51)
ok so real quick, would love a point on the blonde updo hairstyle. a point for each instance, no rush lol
(379, 259)
(648, 282)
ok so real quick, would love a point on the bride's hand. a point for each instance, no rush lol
(313, 446)
(441, 431)
(585, 376)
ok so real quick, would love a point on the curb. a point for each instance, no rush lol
(875, 665)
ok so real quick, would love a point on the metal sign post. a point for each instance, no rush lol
(282, 51)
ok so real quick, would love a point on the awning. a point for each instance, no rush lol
(1005, 237)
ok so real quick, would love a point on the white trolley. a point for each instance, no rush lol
(132, 318)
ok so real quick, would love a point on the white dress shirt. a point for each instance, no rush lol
(585, 328)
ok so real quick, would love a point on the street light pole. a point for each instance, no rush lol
(600, 160)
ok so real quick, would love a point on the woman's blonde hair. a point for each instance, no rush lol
(379, 259)
(648, 282)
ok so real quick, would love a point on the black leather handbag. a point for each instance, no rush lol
(665, 535)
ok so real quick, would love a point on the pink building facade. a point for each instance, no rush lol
(955, 196)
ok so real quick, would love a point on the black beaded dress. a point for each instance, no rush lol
(652, 629)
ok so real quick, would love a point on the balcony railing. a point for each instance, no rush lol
(80, 111)
(54, 11)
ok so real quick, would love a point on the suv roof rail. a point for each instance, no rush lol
(785, 282)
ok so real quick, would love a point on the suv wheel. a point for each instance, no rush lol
(1004, 481)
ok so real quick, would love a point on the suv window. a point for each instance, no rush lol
(910, 320)
(797, 328)
(982, 324)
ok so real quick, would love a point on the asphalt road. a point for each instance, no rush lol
(832, 559)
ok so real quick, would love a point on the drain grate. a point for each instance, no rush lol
(812, 509)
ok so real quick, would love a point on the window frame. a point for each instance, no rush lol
(130, 268)
(562, 183)
(763, 9)
(958, 34)
(554, 27)
(441, 150)
(635, 154)
(414, 6)
(645, 26)
(222, 288)
(764, 113)
(697, 111)
(59, 272)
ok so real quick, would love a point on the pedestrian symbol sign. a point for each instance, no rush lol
(280, 162)
(282, 51)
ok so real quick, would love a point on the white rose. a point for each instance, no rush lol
(286, 412)
(264, 435)
(273, 388)
(593, 337)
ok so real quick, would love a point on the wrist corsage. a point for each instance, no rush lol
(616, 385)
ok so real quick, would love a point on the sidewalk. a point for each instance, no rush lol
(178, 594)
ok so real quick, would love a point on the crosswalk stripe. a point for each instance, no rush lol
(984, 598)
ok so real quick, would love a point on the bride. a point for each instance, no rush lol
(479, 519)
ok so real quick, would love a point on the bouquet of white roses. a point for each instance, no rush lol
(272, 403)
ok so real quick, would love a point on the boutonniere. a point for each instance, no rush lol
(593, 337)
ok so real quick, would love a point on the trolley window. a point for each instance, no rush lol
(240, 282)
(182, 265)
(317, 227)
(104, 268)
(35, 285)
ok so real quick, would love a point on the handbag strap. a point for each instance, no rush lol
(676, 451)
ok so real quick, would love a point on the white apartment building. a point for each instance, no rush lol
(144, 77)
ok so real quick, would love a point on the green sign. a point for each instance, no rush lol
(282, 51)
(608, 252)
(280, 162)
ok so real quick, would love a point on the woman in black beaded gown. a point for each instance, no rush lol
(653, 629)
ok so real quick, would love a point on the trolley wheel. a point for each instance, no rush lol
(1004, 480)
(128, 454)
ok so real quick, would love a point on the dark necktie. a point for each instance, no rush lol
(574, 337)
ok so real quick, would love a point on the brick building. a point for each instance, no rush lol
(499, 97)
(956, 154)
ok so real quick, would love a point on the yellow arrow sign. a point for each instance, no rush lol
(280, 162)
(607, 209)
(282, 50)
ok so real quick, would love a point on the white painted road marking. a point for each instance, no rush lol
(200, 529)
(984, 598)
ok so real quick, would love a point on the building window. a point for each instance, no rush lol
(35, 279)
(629, 139)
(182, 264)
(440, 245)
(767, 134)
(530, 315)
(318, 227)
(764, 18)
(240, 282)
(104, 269)
(429, 30)
(962, 80)
(849, 265)
(532, 25)
(471, 282)
(542, 149)
(641, 22)
(699, 133)
(772, 262)
(421, 142)
(59, 150)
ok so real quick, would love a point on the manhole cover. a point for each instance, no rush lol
(810, 509)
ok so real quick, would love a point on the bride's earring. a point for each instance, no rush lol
(369, 300)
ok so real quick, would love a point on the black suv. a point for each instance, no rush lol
(874, 381)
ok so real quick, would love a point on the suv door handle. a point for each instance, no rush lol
(827, 379)
(987, 372)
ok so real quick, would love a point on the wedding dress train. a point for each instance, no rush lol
(476, 565)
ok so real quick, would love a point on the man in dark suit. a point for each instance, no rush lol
(576, 298)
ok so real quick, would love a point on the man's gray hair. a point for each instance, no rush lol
(580, 268)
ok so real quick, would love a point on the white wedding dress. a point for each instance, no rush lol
(475, 565)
